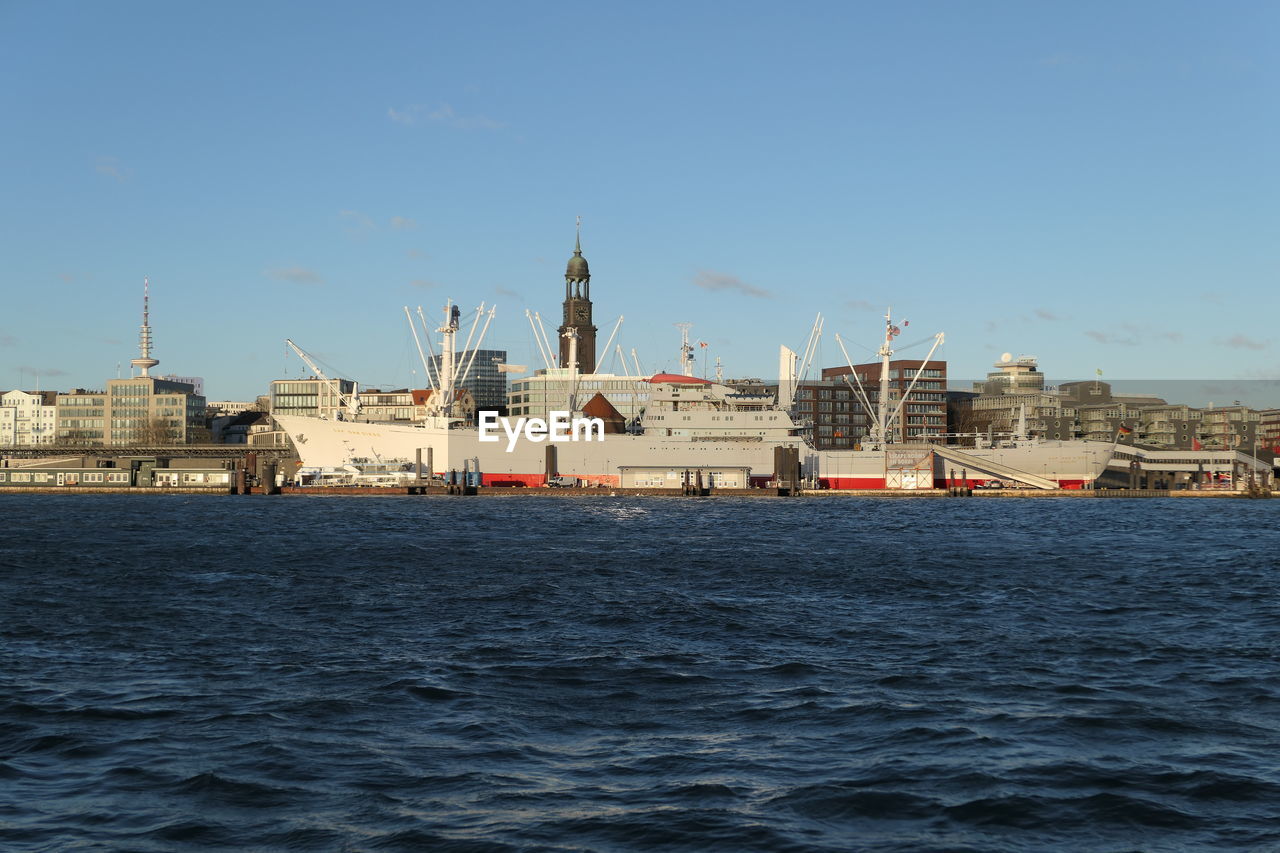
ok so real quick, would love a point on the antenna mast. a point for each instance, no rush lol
(687, 365)
(145, 362)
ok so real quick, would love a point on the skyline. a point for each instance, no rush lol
(1092, 185)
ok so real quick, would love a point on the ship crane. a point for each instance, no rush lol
(352, 404)
(886, 415)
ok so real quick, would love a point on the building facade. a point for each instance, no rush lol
(144, 410)
(28, 418)
(551, 390)
(314, 398)
(81, 418)
(486, 382)
(840, 419)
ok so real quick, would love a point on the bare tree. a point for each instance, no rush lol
(157, 432)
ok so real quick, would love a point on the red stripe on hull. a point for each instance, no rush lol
(511, 479)
(852, 482)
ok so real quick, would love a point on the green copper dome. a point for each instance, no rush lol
(577, 269)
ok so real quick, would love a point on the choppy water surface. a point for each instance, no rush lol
(631, 673)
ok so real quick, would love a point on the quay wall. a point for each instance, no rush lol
(568, 492)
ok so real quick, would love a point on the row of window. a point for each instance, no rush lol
(68, 478)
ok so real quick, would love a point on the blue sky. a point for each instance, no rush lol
(1092, 183)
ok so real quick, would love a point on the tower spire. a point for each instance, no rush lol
(145, 362)
(577, 311)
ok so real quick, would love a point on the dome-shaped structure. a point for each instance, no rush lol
(577, 269)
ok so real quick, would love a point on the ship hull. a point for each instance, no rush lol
(330, 444)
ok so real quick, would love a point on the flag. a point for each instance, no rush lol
(1124, 430)
(512, 368)
(1196, 445)
(1098, 371)
(702, 343)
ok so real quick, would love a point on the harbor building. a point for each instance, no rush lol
(832, 412)
(235, 429)
(386, 406)
(841, 420)
(144, 410)
(1231, 427)
(1014, 393)
(196, 382)
(28, 418)
(313, 397)
(137, 411)
(1269, 429)
(1171, 425)
(486, 380)
(552, 390)
(81, 417)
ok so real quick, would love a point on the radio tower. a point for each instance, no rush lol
(145, 362)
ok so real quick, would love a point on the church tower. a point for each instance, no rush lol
(577, 310)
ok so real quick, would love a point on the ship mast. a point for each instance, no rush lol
(686, 349)
(886, 352)
(441, 402)
(571, 334)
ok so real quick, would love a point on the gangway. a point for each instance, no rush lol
(992, 467)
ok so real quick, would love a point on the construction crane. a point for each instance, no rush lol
(335, 387)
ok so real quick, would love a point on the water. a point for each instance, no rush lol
(632, 673)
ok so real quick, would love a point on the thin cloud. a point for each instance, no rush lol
(859, 305)
(416, 253)
(504, 291)
(1046, 314)
(356, 221)
(8, 341)
(445, 115)
(66, 277)
(296, 275)
(112, 168)
(423, 283)
(718, 281)
(1172, 337)
(1113, 338)
(42, 371)
(1242, 342)
(403, 223)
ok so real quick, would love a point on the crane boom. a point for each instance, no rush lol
(353, 406)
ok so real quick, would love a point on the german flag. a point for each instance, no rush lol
(1124, 430)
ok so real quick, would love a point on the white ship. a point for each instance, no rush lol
(693, 424)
